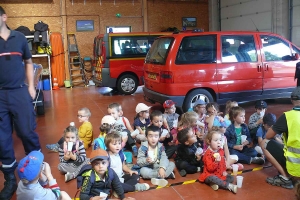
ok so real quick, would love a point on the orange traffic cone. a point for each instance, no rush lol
(55, 84)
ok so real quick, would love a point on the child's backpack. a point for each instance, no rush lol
(86, 168)
(99, 143)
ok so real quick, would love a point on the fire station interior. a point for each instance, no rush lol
(60, 99)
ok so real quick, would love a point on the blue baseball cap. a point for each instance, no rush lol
(199, 102)
(30, 166)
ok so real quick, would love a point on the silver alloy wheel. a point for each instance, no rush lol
(197, 97)
(128, 85)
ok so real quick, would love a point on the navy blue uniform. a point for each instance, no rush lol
(16, 106)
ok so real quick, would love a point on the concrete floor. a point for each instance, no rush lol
(61, 108)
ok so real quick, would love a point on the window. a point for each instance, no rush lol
(131, 45)
(238, 48)
(197, 49)
(295, 50)
(159, 51)
(274, 48)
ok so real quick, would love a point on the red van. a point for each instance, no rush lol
(219, 66)
(119, 59)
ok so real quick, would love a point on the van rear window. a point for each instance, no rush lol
(197, 49)
(159, 51)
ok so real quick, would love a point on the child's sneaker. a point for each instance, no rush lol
(172, 176)
(280, 181)
(141, 187)
(135, 151)
(232, 188)
(215, 187)
(257, 160)
(53, 147)
(69, 176)
(159, 182)
(182, 173)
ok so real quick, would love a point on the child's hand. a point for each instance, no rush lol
(149, 160)
(162, 172)
(67, 155)
(133, 172)
(238, 147)
(47, 171)
(245, 143)
(260, 121)
(218, 158)
(198, 157)
(73, 156)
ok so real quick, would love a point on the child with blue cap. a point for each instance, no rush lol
(34, 175)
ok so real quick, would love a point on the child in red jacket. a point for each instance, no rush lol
(214, 173)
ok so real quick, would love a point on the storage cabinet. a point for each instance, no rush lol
(46, 73)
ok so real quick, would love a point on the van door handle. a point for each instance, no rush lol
(266, 67)
(259, 68)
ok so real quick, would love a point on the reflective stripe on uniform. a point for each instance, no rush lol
(8, 166)
(294, 150)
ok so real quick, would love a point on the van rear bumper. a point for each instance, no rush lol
(154, 97)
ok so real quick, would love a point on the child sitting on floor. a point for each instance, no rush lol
(229, 105)
(188, 154)
(141, 120)
(153, 160)
(234, 134)
(269, 120)
(200, 108)
(123, 126)
(171, 117)
(156, 118)
(214, 172)
(99, 179)
(190, 119)
(34, 176)
(256, 119)
(107, 123)
(117, 159)
(72, 154)
(85, 131)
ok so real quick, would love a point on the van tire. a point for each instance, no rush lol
(127, 84)
(195, 95)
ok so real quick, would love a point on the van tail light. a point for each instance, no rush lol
(166, 77)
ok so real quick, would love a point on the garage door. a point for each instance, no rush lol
(296, 23)
(246, 15)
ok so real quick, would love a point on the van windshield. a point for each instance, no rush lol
(159, 51)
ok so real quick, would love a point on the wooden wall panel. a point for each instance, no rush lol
(161, 15)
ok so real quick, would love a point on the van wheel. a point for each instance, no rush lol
(194, 96)
(127, 84)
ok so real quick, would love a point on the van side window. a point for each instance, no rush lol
(131, 46)
(295, 50)
(197, 49)
(238, 48)
(275, 48)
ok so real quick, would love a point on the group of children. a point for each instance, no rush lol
(200, 140)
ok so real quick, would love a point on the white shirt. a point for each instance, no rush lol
(116, 164)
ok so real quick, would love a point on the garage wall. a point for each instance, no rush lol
(161, 15)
